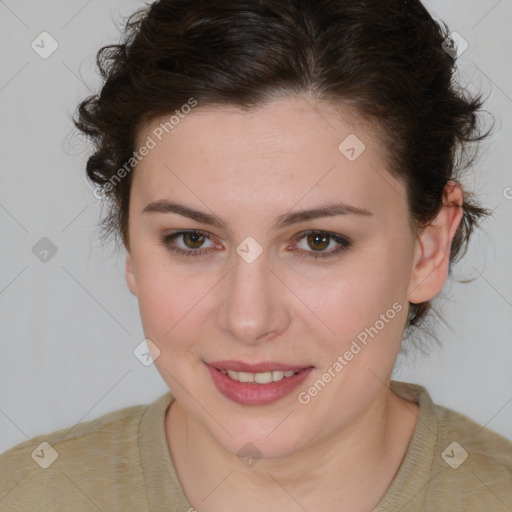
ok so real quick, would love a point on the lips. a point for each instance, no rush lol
(255, 393)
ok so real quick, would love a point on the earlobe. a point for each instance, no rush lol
(433, 248)
(130, 276)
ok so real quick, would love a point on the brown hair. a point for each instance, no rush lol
(383, 58)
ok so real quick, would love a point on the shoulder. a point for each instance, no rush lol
(455, 462)
(484, 447)
(448, 426)
(473, 464)
(83, 456)
(66, 441)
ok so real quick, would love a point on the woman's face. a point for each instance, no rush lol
(253, 293)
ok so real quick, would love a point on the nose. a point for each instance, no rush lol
(253, 306)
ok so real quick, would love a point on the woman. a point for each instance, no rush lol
(284, 178)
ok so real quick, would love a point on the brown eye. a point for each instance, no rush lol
(187, 243)
(318, 242)
(196, 240)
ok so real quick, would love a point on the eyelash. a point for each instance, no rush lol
(344, 243)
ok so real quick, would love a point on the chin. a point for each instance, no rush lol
(258, 441)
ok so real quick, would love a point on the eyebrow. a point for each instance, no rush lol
(288, 219)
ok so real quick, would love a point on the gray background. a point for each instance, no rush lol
(70, 325)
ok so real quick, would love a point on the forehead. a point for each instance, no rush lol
(287, 151)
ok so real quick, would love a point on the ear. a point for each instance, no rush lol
(130, 276)
(433, 247)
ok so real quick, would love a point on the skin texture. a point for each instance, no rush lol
(342, 449)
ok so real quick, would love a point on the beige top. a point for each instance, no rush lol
(121, 462)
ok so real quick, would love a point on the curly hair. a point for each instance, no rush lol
(386, 59)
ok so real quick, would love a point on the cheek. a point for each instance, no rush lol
(175, 302)
(351, 299)
(164, 295)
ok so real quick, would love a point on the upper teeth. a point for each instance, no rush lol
(260, 378)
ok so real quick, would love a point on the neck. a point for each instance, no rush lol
(350, 470)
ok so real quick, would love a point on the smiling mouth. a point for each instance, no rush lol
(260, 377)
(261, 373)
(256, 384)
